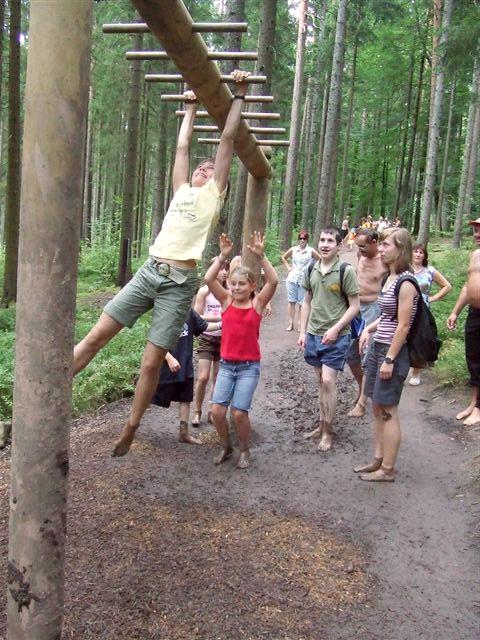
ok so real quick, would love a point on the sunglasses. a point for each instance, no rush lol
(302, 238)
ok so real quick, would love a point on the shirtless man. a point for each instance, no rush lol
(370, 271)
(470, 294)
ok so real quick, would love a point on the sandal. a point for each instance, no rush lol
(197, 416)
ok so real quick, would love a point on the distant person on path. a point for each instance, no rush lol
(208, 351)
(370, 271)
(325, 326)
(176, 374)
(345, 228)
(300, 257)
(388, 361)
(168, 279)
(426, 275)
(470, 294)
(239, 372)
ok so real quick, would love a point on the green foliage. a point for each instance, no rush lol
(98, 267)
(272, 247)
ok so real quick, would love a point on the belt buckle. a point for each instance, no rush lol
(163, 269)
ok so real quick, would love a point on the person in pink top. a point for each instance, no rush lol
(239, 370)
(208, 350)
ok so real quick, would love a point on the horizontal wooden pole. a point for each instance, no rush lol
(177, 77)
(179, 97)
(259, 143)
(197, 27)
(211, 55)
(246, 115)
(213, 129)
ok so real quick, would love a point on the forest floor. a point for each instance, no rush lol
(164, 545)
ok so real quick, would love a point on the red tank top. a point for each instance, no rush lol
(240, 333)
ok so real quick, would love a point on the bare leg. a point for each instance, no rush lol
(359, 408)
(183, 435)
(219, 416)
(291, 315)
(213, 380)
(378, 431)
(244, 429)
(466, 412)
(328, 403)
(203, 375)
(98, 336)
(299, 315)
(152, 360)
(392, 437)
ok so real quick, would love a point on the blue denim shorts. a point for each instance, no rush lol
(386, 393)
(331, 355)
(295, 292)
(236, 384)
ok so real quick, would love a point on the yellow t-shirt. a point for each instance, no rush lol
(184, 232)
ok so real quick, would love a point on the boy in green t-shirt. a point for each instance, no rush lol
(325, 325)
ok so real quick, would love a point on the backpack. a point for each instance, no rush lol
(357, 325)
(423, 342)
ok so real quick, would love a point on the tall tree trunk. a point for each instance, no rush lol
(295, 122)
(86, 232)
(51, 214)
(441, 191)
(405, 137)
(324, 214)
(12, 211)
(349, 128)
(311, 149)
(434, 130)
(420, 180)
(159, 194)
(130, 170)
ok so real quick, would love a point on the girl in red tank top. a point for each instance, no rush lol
(240, 351)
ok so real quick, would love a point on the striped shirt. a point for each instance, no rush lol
(388, 305)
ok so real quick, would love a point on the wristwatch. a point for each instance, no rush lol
(389, 360)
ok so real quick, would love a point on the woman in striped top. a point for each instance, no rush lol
(387, 362)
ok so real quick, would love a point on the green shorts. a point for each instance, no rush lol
(170, 300)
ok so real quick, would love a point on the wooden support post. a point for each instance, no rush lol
(196, 27)
(170, 21)
(255, 218)
(211, 55)
(179, 97)
(56, 102)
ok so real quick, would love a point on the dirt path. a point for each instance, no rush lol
(163, 545)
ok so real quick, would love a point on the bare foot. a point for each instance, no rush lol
(325, 443)
(473, 418)
(197, 416)
(465, 413)
(126, 438)
(381, 475)
(358, 411)
(368, 468)
(187, 438)
(224, 454)
(244, 460)
(316, 433)
(290, 327)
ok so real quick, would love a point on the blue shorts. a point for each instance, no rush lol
(332, 355)
(236, 384)
(295, 292)
(385, 393)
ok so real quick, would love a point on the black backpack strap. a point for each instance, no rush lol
(406, 278)
(343, 268)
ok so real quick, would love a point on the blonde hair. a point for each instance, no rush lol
(246, 273)
(403, 241)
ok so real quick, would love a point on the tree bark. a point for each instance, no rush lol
(434, 130)
(441, 191)
(159, 194)
(405, 137)
(324, 214)
(51, 214)
(295, 122)
(12, 210)
(130, 170)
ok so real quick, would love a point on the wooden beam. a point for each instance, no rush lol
(212, 55)
(171, 23)
(178, 77)
(260, 143)
(197, 27)
(246, 115)
(179, 97)
(212, 128)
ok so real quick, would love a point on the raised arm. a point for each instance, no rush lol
(264, 296)
(221, 294)
(181, 167)
(223, 159)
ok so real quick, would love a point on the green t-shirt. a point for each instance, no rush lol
(328, 304)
